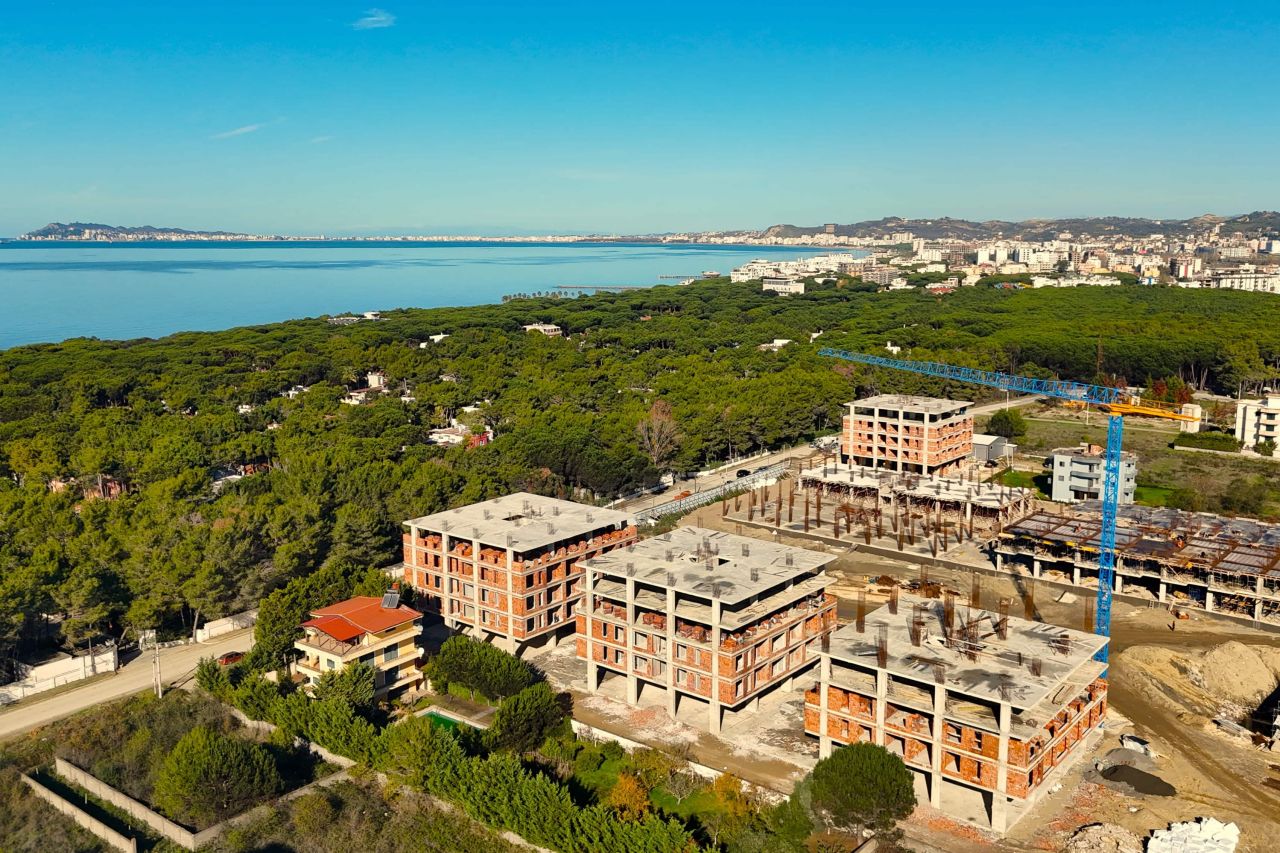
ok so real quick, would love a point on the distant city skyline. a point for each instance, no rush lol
(345, 118)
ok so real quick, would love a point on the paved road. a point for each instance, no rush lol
(176, 664)
(702, 484)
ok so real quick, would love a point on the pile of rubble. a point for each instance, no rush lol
(1104, 838)
(1204, 836)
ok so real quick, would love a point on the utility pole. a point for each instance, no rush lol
(155, 664)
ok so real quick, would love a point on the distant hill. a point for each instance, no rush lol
(1260, 223)
(81, 230)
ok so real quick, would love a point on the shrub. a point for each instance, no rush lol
(353, 684)
(1207, 441)
(210, 776)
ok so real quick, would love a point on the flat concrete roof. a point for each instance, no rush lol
(1000, 663)
(522, 521)
(912, 403)
(919, 486)
(710, 563)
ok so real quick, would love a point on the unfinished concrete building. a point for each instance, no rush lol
(905, 433)
(509, 569)
(1192, 559)
(985, 709)
(903, 503)
(700, 614)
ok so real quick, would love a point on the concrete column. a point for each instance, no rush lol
(715, 669)
(1075, 573)
(1035, 567)
(935, 751)
(511, 598)
(446, 595)
(999, 561)
(633, 683)
(673, 695)
(589, 610)
(1160, 594)
(999, 798)
(788, 684)
(1208, 601)
(882, 699)
(824, 681)
(1119, 582)
(475, 590)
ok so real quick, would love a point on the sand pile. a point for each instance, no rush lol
(1238, 673)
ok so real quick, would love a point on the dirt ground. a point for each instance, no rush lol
(1165, 686)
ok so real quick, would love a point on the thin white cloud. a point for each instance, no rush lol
(375, 19)
(239, 131)
(320, 140)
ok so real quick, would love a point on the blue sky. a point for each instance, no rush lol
(306, 117)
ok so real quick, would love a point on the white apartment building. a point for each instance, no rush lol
(1265, 280)
(1258, 420)
(782, 284)
(1077, 474)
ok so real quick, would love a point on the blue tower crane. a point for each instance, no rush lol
(1113, 401)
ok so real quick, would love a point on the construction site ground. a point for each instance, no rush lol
(1157, 692)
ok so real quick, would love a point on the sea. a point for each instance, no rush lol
(50, 292)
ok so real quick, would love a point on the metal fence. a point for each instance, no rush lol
(692, 502)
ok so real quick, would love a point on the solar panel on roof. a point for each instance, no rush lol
(391, 599)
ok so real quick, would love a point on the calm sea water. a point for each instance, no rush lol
(51, 292)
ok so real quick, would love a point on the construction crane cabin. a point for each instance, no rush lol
(1115, 402)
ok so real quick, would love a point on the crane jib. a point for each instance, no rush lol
(1062, 389)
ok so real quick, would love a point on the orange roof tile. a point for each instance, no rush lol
(350, 619)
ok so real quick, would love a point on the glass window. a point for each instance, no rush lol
(391, 652)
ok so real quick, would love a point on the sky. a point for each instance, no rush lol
(556, 117)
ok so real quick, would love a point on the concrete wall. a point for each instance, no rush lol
(82, 818)
(162, 826)
(226, 625)
(59, 672)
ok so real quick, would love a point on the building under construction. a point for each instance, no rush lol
(986, 709)
(907, 504)
(1192, 559)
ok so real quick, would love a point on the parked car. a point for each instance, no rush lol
(229, 658)
(743, 472)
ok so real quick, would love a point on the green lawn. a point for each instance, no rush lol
(700, 802)
(601, 780)
(1152, 495)
(1025, 480)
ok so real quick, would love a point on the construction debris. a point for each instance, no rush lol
(1104, 838)
(1206, 835)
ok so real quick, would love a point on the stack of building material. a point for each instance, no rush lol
(1204, 836)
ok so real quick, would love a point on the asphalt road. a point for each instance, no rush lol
(702, 484)
(177, 663)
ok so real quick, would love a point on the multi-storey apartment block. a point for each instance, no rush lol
(705, 615)
(1077, 474)
(979, 705)
(379, 632)
(905, 433)
(509, 568)
(1258, 421)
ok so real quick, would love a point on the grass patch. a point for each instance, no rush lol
(699, 803)
(1025, 480)
(601, 780)
(1152, 495)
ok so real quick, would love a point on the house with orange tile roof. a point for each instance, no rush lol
(379, 632)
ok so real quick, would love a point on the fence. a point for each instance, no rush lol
(82, 817)
(226, 625)
(57, 673)
(692, 502)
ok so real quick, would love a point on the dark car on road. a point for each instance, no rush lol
(743, 472)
